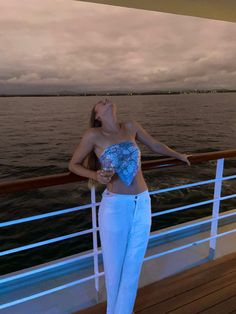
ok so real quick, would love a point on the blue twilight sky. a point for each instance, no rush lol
(56, 45)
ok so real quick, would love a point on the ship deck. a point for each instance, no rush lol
(206, 288)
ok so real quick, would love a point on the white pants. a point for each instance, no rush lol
(124, 228)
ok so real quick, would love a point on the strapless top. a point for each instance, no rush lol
(125, 157)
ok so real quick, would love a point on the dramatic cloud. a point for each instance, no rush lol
(70, 45)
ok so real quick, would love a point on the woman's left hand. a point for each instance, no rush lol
(184, 157)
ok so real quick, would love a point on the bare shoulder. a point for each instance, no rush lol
(95, 131)
(90, 132)
(89, 135)
(96, 135)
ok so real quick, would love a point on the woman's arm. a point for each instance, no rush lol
(157, 147)
(83, 149)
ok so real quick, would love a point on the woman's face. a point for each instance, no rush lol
(105, 108)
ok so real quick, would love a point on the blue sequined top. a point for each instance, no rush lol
(125, 157)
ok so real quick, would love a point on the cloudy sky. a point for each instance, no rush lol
(55, 45)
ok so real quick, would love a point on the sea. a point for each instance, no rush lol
(40, 134)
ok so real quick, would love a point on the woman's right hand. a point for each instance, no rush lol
(102, 179)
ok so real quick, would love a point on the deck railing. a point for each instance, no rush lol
(64, 178)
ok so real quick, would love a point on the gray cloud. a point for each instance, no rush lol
(62, 44)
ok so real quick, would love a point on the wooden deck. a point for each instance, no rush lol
(206, 288)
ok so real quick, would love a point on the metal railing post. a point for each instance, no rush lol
(216, 206)
(95, 242)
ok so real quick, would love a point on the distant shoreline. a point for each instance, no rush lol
(124, 93)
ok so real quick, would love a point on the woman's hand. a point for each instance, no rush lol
(102, 178)
(184, 157)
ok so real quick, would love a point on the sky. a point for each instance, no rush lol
(66, 45)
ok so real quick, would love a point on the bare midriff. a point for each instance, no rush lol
(138, 185)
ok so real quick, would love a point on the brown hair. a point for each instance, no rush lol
(91, 161)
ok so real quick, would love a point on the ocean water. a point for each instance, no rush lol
(40, 134)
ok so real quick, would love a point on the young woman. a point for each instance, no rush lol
(124, 214)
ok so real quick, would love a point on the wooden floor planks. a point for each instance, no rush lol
(206, 288)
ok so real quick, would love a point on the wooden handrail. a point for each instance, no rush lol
(69, 177)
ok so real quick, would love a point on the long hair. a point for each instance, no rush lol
(91, 161)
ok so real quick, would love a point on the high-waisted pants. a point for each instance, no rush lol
(124, 228)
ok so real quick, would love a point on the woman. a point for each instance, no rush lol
(124, 214)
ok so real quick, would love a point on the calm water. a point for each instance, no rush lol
(40, 134)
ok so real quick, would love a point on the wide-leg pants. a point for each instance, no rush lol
(124, 228)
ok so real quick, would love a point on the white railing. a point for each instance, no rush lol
(212, 244)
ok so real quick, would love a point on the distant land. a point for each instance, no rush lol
(115, 93)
